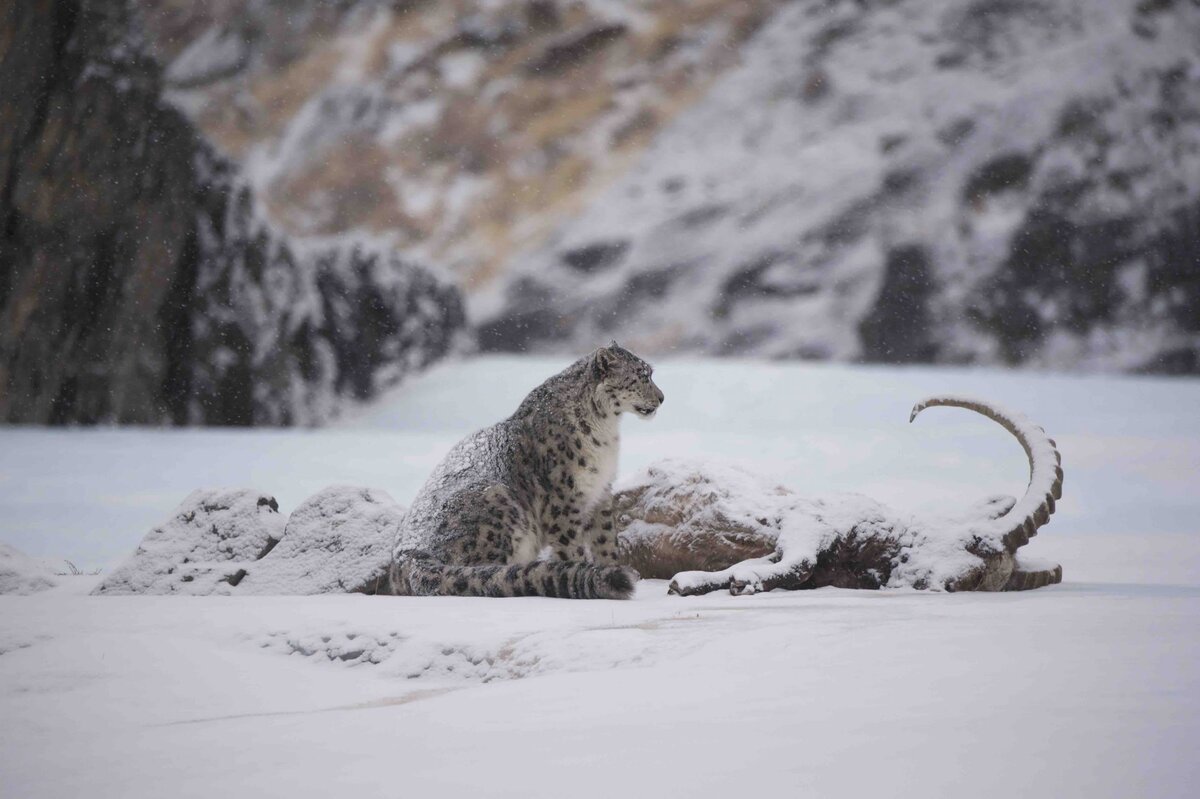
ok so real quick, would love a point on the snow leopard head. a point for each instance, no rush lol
(624, 381)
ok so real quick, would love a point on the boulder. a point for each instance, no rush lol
(235, 541)
(338, 541)
(206, 546)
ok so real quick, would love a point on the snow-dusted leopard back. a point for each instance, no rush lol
(524, 507)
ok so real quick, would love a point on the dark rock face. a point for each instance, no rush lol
(574, 48)
(92, 251)
(595, 257)
(1006, 172)
(897, 328)
(280, 335)
(138, 282)
(1110, 245)
(1066, 273)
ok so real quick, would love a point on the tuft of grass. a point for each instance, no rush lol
(75, 571)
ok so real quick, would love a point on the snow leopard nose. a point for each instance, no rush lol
(658, 395)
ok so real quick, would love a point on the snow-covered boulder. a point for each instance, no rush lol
(204, 548)
(235, 541)
(21, 574)
(338, 541)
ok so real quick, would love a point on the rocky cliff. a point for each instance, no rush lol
(139, 282)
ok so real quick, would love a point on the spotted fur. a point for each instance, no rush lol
(524, 507)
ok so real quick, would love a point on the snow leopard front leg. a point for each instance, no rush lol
(601, 536)
(578, 533)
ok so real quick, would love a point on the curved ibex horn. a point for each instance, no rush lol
(1016, 527)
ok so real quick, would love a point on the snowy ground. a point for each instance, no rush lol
(1086, 689)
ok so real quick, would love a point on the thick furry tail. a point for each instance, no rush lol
(423, 576)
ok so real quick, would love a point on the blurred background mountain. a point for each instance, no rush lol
(250, 211)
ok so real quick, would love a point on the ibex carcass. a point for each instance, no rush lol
(708, 527)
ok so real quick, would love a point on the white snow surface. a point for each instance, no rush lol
(1088, 688)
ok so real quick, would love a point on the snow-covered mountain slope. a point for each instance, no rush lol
(984, 181)
(1085, 689)
(463, 130)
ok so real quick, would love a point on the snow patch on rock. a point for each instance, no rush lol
(21, 574)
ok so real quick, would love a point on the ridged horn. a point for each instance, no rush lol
(1016, 527)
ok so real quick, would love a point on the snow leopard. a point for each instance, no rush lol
(524, 507)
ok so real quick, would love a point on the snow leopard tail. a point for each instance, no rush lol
(423, 576)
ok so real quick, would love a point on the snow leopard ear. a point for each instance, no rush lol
(602, 362)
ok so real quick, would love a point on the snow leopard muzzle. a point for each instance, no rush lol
(648, 411)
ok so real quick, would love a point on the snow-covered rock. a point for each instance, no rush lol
(338, 541)
(21, 574)
(206, 546)
(235, 541)
(286, 330)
